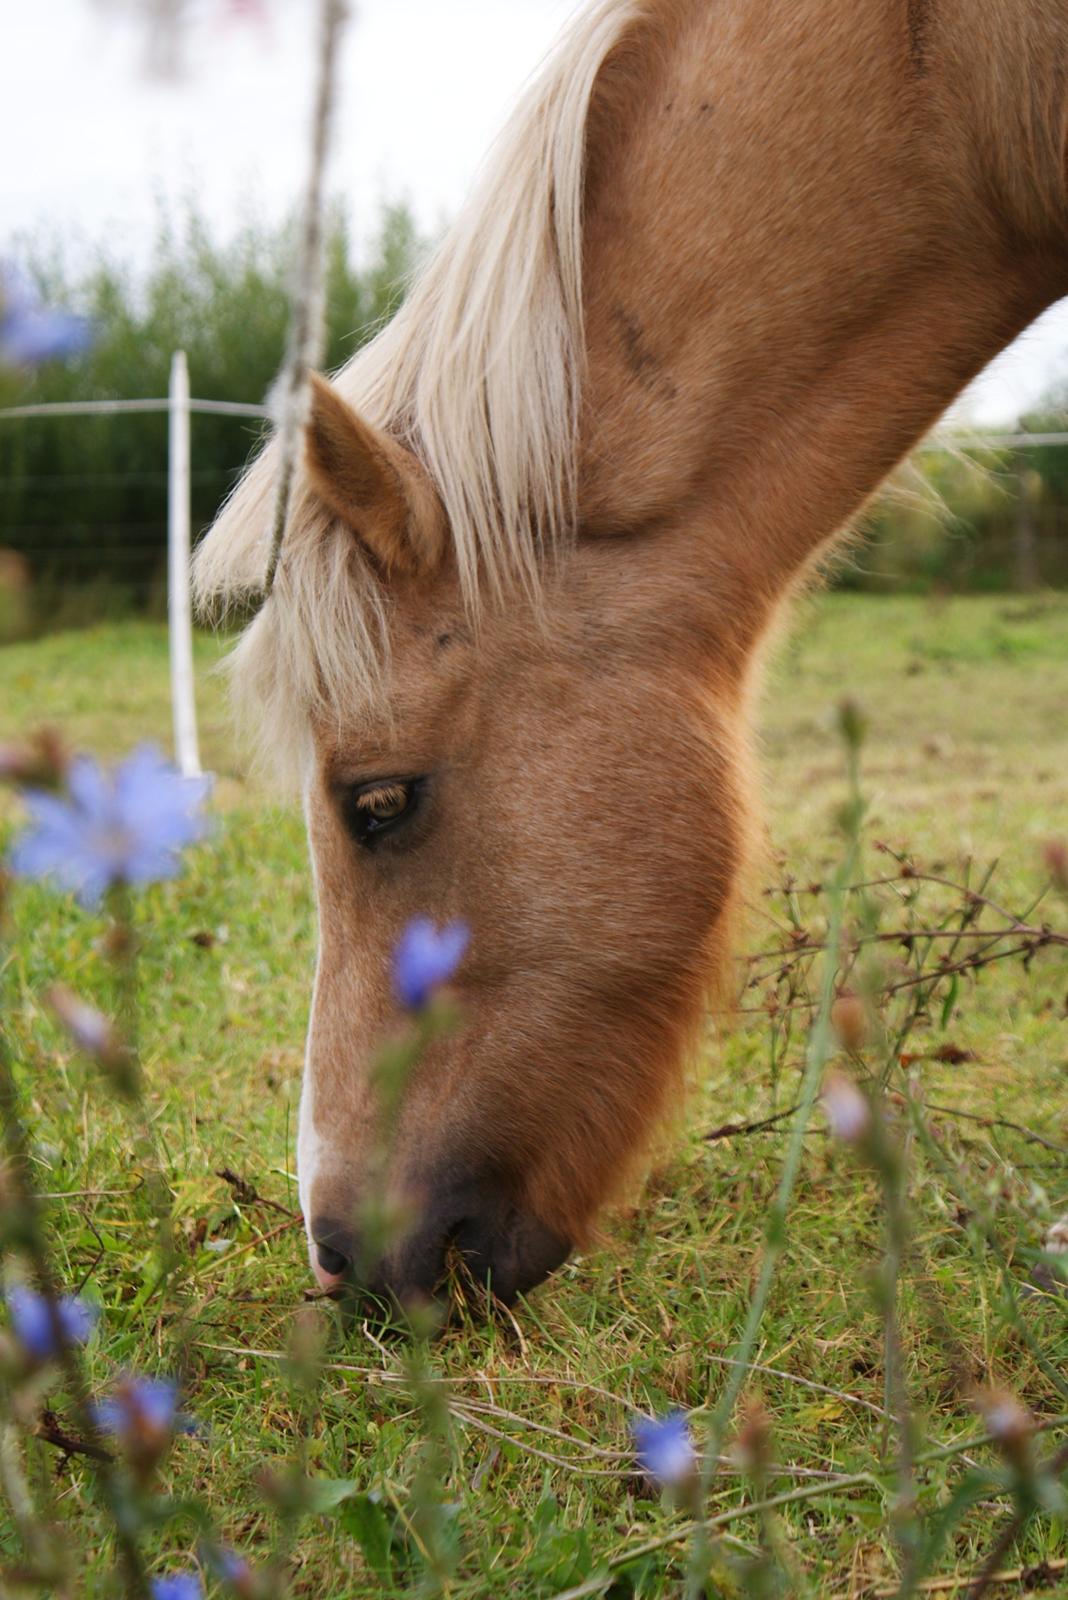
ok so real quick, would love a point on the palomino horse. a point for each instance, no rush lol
(726, 265)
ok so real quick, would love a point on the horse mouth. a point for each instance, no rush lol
(475, 1260)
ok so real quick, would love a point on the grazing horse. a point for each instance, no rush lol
(726, 264)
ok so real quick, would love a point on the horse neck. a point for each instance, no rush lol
(796, 254)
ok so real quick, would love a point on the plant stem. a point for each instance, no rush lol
(818, 1050)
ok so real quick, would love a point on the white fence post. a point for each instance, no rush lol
(179, 606)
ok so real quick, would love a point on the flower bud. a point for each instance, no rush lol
(752, 1447)
(850, 1021)
(852, 722)
(846, 1107)
(1055, 859)
(89, 1028)
(39, 762)
(96, 1035)
(1010, 1423)
(142, 1414)
(1056, 1241)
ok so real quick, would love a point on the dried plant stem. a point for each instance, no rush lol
(125, 952)
(304, 350)
(1015, 930)
(470, 1416)
(218, 1262)
(49, 1432)
(966, 948)
(893, 1173)
(1021, 1128)
(804, 1383)
(737, 1130)
(1038, 1571)
(465, 1409)
(978, 897)
(970, 963)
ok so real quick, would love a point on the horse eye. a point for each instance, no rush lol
(384, 805)
(375, 808)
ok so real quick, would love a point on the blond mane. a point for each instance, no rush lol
(480, 374)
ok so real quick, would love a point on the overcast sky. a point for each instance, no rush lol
(93, 143)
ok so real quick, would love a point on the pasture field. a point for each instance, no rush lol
(965, 761)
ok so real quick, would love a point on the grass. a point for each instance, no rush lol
(967, 757)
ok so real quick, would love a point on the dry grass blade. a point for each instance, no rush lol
(1038, 1576)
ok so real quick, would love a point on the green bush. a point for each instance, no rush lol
(83, 499)
(953, 521)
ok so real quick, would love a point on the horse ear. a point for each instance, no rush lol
(373, 484)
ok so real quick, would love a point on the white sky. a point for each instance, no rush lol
(93, 145)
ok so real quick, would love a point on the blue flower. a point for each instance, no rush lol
(123, 827)
(42, 1329)
(425, 958)
(140, 1411)
(178, 1586)
(31, 332)
(664, 1448)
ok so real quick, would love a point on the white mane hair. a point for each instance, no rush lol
(479, 373)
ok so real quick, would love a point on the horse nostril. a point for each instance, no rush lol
(331, 1260)
(335, 1248)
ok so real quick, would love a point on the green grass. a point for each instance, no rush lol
(967, 757)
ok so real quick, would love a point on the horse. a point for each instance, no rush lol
(723, 268)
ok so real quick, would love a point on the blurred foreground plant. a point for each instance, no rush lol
(32, 332)
(102, 835)
(837, 978)
(98, 835)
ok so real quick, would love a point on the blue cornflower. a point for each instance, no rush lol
(178, 1586)
(425, 958)
(664, 1448)
(30, 331)
(42, 1329)
(124, 827)
(140, 1411)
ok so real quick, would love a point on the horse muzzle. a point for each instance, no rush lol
(499, 1251)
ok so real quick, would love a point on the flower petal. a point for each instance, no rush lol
(424, 958)
(156, 803)
(177, 1586)
(36, 1328)
(91, 791)
(665, 1448)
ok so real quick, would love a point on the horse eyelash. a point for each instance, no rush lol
(388, 795)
